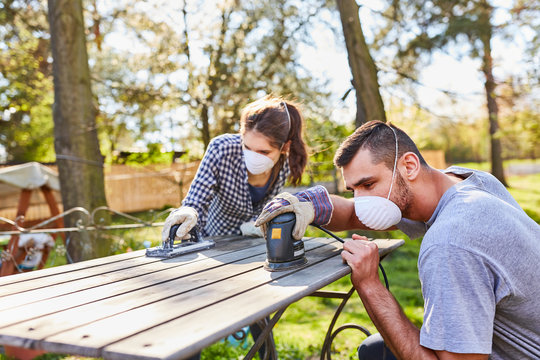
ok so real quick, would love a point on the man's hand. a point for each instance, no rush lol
(363, 258)
(284, 203)
(185, 215)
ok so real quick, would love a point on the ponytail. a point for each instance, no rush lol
(297, 149)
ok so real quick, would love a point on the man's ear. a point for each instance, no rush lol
(411, 162)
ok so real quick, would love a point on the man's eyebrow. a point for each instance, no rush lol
(360, 182)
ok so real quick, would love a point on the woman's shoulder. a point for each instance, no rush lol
(225, 146)
(226, 141)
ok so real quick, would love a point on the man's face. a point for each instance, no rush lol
(364, 178)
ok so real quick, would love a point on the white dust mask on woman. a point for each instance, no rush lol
(379, 213)
(257, 163)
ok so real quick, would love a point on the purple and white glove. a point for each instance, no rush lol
(310, 206)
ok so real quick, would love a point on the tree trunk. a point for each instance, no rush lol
(363, 68)
(493, 110)
(205, 130)
(80, 163)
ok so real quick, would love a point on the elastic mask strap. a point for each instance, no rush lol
(288, 117)
(395, 163)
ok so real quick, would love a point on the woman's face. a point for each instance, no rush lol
(259, 143)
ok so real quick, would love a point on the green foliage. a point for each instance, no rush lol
(154, 155)
(323, 138)
(416, 30)
(520, 134)
(527, 193)
(467, 140)
(26, 94)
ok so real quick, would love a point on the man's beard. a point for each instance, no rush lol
(403, 196)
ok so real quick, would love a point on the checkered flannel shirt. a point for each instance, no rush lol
(220, 192)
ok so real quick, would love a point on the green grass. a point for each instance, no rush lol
(300, 332)
(526, 190)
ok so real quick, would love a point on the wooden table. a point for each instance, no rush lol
(130, 306)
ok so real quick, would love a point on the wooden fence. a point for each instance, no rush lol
(130, 189)
(127, 188)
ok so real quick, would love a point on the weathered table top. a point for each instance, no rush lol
(130, 306)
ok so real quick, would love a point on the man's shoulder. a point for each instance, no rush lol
(477, 179)
(478, 187)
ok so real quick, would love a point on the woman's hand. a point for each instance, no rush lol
(249, 229)
(186, 216)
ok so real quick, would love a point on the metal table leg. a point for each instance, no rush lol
(330, 334)
(271, 352)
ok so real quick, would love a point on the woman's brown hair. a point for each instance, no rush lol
(279, 120)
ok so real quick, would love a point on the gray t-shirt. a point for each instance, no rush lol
(479, 265)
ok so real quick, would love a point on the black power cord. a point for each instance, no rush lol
(343, 241)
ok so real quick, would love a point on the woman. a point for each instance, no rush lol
(239, 173)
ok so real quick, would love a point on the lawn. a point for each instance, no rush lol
(300, 332)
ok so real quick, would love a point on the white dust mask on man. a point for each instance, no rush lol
(379, 213)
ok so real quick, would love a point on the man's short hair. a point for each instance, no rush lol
(378, 138)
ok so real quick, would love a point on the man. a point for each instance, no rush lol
(479, 258)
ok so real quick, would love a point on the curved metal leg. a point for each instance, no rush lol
(338, 330)
(270, 346)
(330, 334)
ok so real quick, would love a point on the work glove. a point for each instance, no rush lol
(186, 216)
(310, 206)
(249, 229)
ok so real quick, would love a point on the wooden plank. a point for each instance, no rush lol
(97, 334)
(386, 246)
(168, 271)
(97, 267)
(179, 300)
(223, 244)
(132, 268)
(63, 269)
(186, 335)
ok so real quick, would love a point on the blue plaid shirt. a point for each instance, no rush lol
(220, 192)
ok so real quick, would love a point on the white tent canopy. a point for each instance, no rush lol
(30, 176)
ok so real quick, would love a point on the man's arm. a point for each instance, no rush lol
(398, 332)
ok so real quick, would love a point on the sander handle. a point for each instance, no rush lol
(172, 234)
